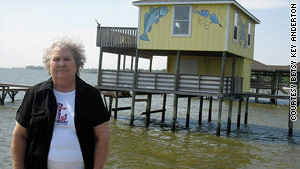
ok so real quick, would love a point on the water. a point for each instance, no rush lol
(263, 143)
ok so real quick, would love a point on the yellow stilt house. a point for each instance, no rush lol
(209, 48)
(199, 25)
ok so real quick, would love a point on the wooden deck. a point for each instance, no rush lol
(120, 37)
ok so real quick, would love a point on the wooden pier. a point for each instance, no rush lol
(271, 78)
(11, 90)
(242, 97)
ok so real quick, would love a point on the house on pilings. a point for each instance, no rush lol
(209, 47)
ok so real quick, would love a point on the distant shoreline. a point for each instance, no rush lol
(88, 70)
(92, 70)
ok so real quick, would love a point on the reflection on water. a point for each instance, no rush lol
(263, 143)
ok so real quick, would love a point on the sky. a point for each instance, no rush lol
(28, 26)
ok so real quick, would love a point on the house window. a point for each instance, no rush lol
(181, 20)
(235, 26)
(249, 34)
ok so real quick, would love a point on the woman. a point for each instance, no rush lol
(62, 122)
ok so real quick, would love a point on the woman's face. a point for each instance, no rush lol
(62, 64)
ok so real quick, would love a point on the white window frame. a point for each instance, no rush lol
(235, 25)
(249, 39)
(190, 21)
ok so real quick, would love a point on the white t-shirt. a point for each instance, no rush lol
(64, 145)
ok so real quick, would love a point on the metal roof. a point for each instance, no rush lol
(258, 66)
(190, 2)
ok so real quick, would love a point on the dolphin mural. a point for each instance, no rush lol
(150, 17)
(213, 18)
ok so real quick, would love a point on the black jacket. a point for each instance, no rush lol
(38, 111)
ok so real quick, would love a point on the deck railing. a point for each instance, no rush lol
(165, 82)
(117, 37)
(155, 81)
(203, 83)
(114, 78)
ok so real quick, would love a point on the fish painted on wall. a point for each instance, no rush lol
(207, 19)
(150, 17)
(243, 27)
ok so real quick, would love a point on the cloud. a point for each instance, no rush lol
(265, 4)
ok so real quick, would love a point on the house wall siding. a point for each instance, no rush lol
(204, 36)
(237, 47)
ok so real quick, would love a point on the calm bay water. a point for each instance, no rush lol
(263, 143)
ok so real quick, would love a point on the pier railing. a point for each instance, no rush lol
(165, 82)
(117, 37)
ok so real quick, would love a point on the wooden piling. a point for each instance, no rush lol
(12, 95)
(290, 127)
(298, 88)
(124, 62)
(174, 115)
(117, 92)
(132, 108)
(273, 88)
(164, 107)
(290, 124)
(221, 89)
(210, 109)
(219, 116)
(229, 116)
(246, 111)
(232, 91)
(239, 113)
(175, 99)
(148, 109)
(200, 110)
(277, 87)
(134, 86)
(187, 122)
(100, 67)
(150, 64)
(256, 98)
(119, 62)
(131, 65)
(116, 105)
(257, 88)
(110, 104)
(2, 98)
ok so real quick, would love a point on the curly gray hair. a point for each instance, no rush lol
(76, 48)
